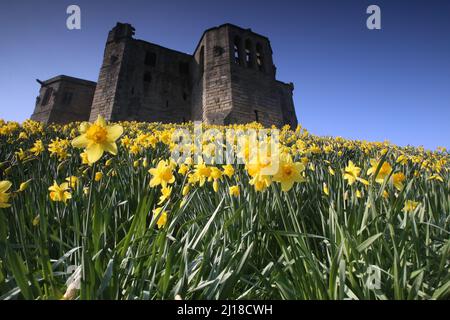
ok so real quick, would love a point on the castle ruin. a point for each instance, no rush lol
(230, 78)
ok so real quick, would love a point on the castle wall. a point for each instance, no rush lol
(42, 110)
(154, 84)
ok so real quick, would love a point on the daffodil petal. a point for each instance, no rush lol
(80, 141)
(5, 185)
(94, 152)
(111, 147)
(114, 132)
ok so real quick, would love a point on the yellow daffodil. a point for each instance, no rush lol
(402, 159)
(325, 189)
(410, 206)
(4, 195)
(60, 192)
(72, 180)
(162, 220)
(234, 191)
(289, 172)
(98, 137)
(436, 177)
(24, 185)
(84, 158)
(201, 173)
(98, 176)
(165, 194)
(351, 173)
(331, 171)
(228, 170)
(183, 169)
(185, 190)
(21, 154)
(38, 148)
(162, 174)
(260, 182)
(215, 186)
(398, 179)
(385, 170)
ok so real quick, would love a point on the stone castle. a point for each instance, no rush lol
(230, 78)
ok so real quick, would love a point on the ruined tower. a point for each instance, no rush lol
(236, 80)
(230, 78)
(142, 81)
(63, 99)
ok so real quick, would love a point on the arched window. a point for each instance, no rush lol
(259, 57)
(248, 53)
(236, 46)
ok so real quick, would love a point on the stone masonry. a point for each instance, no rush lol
(64, 99)
(230, 78)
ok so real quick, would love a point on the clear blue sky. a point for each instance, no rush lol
(349, 81)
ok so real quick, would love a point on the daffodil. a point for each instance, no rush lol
(21, 154)
(260, 182)
(185, 190)
(289, 172)
(38, 148)
(98, 176)
(24, 185)
(436, 177)
(410, 206)
(234, 191)
(58, 147)
(162, 174)
(72, 180)
(183, 169)
(385, 170)
(325, 189)
(351, 173)
(165, 194)
(162, 220)
(60, 192)
(201, 173)
(398, 179)
(402, 159)
(84, 158)
(4, 195)
(331, 171)
(98, 137)
(228, 170)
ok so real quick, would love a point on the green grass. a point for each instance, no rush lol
(300, 244)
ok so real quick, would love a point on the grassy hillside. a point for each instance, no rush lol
(339, 219)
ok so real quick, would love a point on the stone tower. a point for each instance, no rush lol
(63, 99)
(235, 80)
(142, 81)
